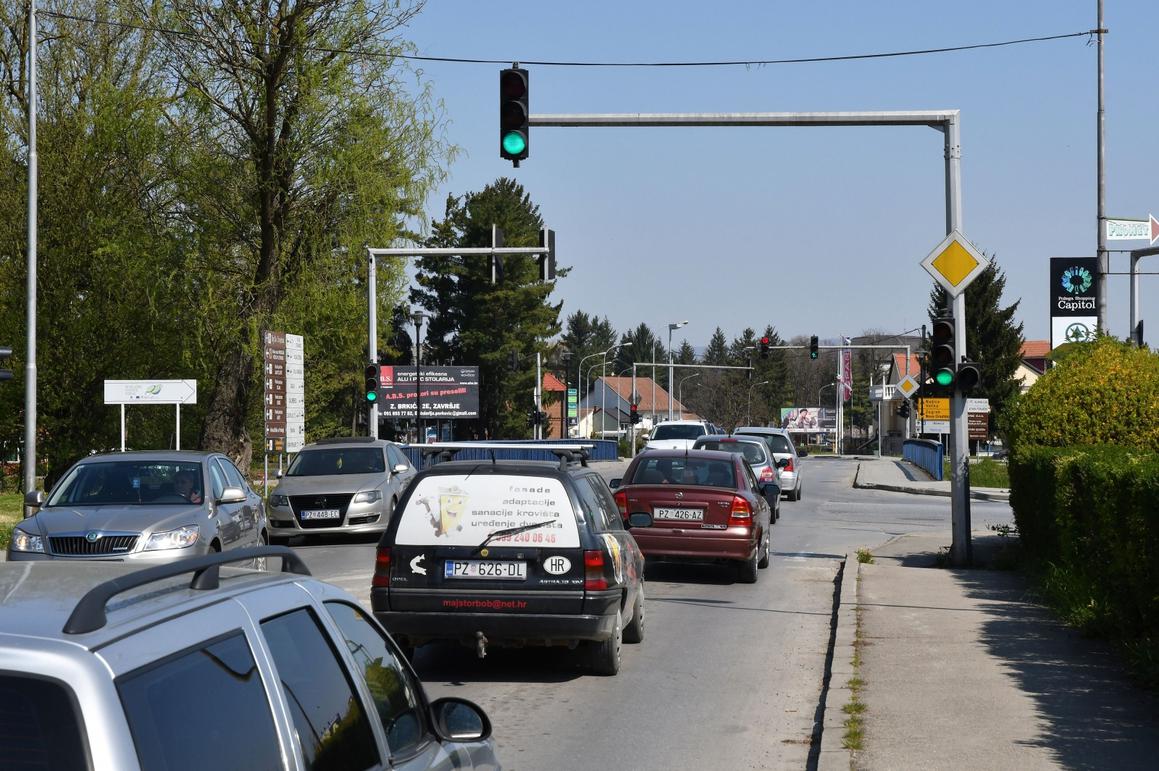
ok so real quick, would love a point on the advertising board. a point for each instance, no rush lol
(447, 392)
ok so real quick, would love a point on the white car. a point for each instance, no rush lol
(782, 447)
(676, 435)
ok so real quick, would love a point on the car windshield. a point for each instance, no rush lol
(678, 431)
(337, 460)
(751, 451)
(684, 471)
(776, 442)
(130, 482)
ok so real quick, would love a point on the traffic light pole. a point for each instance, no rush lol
(372, 335)
(961, 548)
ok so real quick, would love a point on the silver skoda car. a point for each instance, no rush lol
(344, 485)
(142, 507)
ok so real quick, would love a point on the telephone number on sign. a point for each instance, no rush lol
(531, 536)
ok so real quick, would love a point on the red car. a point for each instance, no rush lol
(697, 505)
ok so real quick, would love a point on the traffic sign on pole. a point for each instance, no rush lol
(907, 386)
(1133, 230)
(955, 263)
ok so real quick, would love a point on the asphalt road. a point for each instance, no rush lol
(729, 675)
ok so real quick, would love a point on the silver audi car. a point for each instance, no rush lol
(142, 507)
(335, 486)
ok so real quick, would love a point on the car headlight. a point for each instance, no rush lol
(180, 538)
(368, 496)
(279, 500)
(22, 541)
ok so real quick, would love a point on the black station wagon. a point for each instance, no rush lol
(512, 553)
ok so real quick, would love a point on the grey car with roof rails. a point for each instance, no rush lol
(345, 485)
(511, 553)
(198, 665)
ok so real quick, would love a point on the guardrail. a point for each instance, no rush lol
(603, 449)
(926, 454)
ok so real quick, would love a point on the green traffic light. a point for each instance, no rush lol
(944, 377)
(371, 396)
(514, 143)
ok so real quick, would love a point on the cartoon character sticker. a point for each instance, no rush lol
(617, 559)
(448, 515)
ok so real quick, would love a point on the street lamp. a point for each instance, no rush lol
(418, 317)
(564, 419)
(680, 392)
(671, 370)
(749, 406)
(604, 386)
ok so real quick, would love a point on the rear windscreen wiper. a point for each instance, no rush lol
(511, 531)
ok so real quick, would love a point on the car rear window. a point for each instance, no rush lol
(684, 471)
(463, 509)
(39, 725)
(687, 431)
(776, 442)
(337, 460)
(752, 452)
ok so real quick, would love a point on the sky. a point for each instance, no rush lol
(812, 230)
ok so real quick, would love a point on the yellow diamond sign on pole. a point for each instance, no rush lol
(955, 263)
(907, 385)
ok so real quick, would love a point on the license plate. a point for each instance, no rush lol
(321, 514)
(685, 515)
(490, 569)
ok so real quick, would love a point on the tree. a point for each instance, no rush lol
(640, 345)
(302, 147)
(584, 336)
(476, 322)
(993, 339)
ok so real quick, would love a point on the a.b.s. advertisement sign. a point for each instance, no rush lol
(1074, 288)
(447, 392)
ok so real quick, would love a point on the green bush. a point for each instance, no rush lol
(1105, 392)
(1089, 517)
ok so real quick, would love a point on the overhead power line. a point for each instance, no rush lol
(555, 63)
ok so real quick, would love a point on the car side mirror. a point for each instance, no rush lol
(616, 482)
(33, 499)
(802, 453)
(459, 720)
(232, 495)
(639, 519)
(399, 468)
(783, 463)
(280, 474)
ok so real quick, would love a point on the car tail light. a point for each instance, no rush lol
(768, 475)
(741, 514)
(622, 502)
(381, 578)
(594, 579)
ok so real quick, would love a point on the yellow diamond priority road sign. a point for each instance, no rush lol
(907, 386)
(955, 263)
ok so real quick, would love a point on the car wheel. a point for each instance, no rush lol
(764, 561)
(634, 631)
(800, 493)
(746, 572)
(605, 654)
(795, 494)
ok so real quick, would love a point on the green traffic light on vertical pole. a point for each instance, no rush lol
(514, 143)
(514, 114)
(372, 383)
(944, 377)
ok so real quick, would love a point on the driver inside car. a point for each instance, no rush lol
(185, 485)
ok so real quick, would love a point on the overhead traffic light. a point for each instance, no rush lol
(372, 382)
(547, 259)
(514, 114)
(764, 347)
(5, 352)
(942, 351)
(813, 347)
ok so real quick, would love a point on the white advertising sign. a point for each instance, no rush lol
(1072, 329)
(454, 510)
(150, 392)
(295, 393)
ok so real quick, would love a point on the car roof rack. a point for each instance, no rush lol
(567, 453)
(346, 440)
(89, 613)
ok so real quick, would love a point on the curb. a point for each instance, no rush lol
(833, 755)
(978, 495)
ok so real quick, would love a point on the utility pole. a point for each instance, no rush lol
(1104, 257)
(29, 455)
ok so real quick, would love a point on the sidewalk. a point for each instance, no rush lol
(902, 477)
(960, 669)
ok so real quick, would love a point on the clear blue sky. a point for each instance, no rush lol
(816, 231)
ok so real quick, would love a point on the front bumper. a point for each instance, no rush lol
(155, 557)
(358, 518)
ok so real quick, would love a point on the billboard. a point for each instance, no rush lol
(1074, 288)
(447, 392)
(801, 418)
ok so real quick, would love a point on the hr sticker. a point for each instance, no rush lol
(557, 565)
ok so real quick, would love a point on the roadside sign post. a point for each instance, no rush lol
(176, 392)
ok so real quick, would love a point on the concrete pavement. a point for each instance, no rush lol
(960, 668)
(903, 477)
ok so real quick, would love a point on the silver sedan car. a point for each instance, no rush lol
(142, 507)
(335, 486)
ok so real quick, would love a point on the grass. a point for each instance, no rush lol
(864, 556)
(854, 737)
(985, 473)
(11, 505)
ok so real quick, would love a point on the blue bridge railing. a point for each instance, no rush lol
(926, 454)
(602, 449)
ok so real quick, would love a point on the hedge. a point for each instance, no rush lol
(1092, 515)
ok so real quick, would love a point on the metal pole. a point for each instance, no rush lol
(654, 345)
(1135, 300)
(418, 320)
(632, 426)
(961, 549)
(122, 428)
(177, 441)
(1103, 256)
(539, 394)
(604, 395)
(372, 335)
(30, 303)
